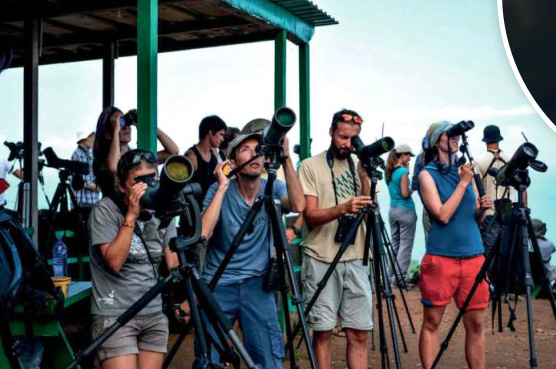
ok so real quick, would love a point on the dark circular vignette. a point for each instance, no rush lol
(531, 33)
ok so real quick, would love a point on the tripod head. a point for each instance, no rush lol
(189, 231)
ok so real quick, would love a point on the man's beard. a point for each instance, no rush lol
(342, 155)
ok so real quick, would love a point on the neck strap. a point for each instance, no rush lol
(330, 161)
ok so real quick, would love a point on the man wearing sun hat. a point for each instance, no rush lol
(89, 194)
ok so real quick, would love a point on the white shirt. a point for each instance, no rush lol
(5, 169)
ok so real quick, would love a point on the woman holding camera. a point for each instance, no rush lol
(402, 215)
(454, 248)
(113, 135)
(125, 255)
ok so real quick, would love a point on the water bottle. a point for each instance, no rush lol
(60, 258)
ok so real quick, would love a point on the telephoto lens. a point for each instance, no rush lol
(375, 149)
(283, 120)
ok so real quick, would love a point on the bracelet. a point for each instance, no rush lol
(128, 225)
(296, 231)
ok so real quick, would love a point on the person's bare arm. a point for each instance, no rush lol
(404, 186)
(170, 147)
(295, 201)
(115, 253)
(315, 217)
(212, 212)
(114, 153)
(191, 156)
(443, 212)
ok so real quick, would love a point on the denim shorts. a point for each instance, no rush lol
(146, 332)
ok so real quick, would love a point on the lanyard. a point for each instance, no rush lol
(330, 161)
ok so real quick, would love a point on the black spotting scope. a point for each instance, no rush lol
(460, 128)
(525, 156)
(283, 120)
(162, 195)
(373, 150)
(53, 161)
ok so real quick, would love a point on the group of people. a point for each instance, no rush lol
(126, 250)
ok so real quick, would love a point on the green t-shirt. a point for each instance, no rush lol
(396, 198)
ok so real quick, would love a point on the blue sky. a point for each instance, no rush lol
(404, 63)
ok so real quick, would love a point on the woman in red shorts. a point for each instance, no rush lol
(454, 247)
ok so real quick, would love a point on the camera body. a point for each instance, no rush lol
(344, 224)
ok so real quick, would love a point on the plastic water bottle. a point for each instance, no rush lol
(60, 258)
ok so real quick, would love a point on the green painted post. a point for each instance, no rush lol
(280, 69)
(304, 102)
(147, 49)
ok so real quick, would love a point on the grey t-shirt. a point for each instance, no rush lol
(114, 292)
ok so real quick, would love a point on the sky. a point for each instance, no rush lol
(401, 64)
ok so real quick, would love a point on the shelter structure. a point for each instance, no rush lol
(60, 31)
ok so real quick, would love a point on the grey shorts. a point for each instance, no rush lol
(149, 333)
(347, 295)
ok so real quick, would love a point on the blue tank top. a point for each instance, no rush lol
(461, 236)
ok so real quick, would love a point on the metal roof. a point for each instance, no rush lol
(75, 30)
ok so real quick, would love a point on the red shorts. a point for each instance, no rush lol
(442, 278)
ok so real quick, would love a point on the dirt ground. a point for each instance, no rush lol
(506, 350)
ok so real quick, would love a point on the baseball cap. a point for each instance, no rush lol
(403, 149)
(83, 135)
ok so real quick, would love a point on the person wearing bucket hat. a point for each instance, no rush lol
(240, 290)
(89, 194)
(454, 249)
(402, 215)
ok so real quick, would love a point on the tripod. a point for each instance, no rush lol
(285, 265)
(516, 242)
(350, 235)
(60, 200)
(187, 273)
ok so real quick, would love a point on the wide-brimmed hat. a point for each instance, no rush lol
(491, 134)
(236, 142)
(255, 126)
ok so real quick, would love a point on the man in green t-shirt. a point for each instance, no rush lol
(335, 186)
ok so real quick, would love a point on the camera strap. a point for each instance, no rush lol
(330, 161)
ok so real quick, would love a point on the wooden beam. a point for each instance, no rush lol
(30, 127)
(19, 11)
(130, 33)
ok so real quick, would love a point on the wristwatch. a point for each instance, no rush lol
(296, 230)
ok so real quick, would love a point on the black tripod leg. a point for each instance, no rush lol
(379, 254)
(538, 255)
(123, 319)
(529, 284)
(280, 242)
(400, 328)
(240, 235)
(212, 309)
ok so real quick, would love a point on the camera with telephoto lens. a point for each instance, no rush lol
(373, 150)
(171, 195)
(524, 157)
(73, 166)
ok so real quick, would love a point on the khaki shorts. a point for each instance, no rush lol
(149, 333)
(347, 295)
